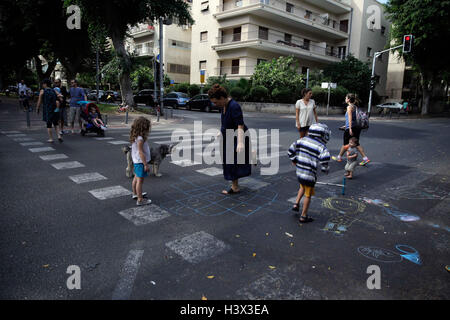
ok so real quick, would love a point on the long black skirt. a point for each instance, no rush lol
(234, 170)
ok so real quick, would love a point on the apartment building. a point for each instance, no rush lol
(144, 41)
(233, 36)
(401, 81)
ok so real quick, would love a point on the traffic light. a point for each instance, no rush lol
(407, 43)
(373, 82)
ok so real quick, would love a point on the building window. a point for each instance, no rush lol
(304, 70)
(383, 30)
(342, 52)
(334, 24)
(235, 66)
(288, 37)
(238, 3)
(202, 65)
(308, 14)
(330, 50)
(380, 58)
(179, 44)
(289, 7)
(258, 61)
(369, 51)
(205, 6)
(203, 36)
(306, 44)
(264, 1)
(237, 34)
(343, 26)
(263, 33)
(179, 68)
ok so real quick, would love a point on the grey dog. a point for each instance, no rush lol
(157, 156)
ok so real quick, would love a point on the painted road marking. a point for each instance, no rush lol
(198, 247)
(23, 139)
(10, 132)
(16, 135)
(67, 165)
(128, 275)
(104, 138)
(185, 163)
(53, 157)
(144, 214)
(119, 142)
(29, 144)
(43, 149)
(87, 177)
(110, 192)
(253, 183)
(211, 171)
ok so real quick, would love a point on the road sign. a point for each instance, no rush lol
(330, 84)
(157, 58)
(202, 76)
(172, 82)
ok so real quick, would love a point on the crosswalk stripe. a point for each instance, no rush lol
(185, 163)
(144, 214)
(104, 138)
(53, 157)
(29, 144)
(43, 149)
(128, 275)
(16, 135)
(10, 132)
(87, 177)
(67, 165)
(23, 139)
(110, 192)
(211, 171)
(118, 142)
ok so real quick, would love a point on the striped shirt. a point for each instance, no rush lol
(307, 153)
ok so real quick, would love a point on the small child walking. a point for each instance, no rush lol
(352, 156)
(140, 152)
(306, 154)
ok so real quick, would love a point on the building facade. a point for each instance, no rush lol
(233, 36)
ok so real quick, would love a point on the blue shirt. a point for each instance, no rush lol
(76, 94)
(353, 119)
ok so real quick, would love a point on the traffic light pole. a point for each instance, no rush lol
(375, 57)
(161, 71)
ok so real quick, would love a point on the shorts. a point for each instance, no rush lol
(52, 120)
(74, 112)
(347, 136)
(309, 191)
(139, 170)
(350, 166)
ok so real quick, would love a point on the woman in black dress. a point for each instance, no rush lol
(232, 119)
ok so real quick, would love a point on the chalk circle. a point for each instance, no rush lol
(344, 206)
(380, 254)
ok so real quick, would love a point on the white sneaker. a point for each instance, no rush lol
(103, 127)
(144, 202)
(144, 194)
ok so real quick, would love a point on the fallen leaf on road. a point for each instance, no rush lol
(289, 235)
(237, 236)
(254, 255)
(204, 298)
(292, 244)
(272, 267)
(210, 277)
(267, 233)
(153, 282)
(46, 265)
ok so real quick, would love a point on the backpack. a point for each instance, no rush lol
(362, 120)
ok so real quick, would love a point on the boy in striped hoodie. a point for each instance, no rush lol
(306, 154)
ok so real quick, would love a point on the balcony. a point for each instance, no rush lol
(275, 42)
(237, 72)
(285, 13)
(332, 6)
(142, 30)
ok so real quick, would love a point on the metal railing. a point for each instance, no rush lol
(235, 70)
(293, 9)
(279, 39)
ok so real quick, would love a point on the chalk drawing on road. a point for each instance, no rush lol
(392, 210)
(194, 197)
(385, 255)
(345, 212)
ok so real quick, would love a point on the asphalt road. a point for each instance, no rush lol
(194, 242)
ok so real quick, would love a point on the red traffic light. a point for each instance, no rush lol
(407, 38)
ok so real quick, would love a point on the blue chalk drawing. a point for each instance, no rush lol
(392, 210)
(411, 256)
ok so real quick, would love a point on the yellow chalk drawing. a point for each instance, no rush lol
(345, 213)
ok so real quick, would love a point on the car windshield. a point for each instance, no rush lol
(183, 95)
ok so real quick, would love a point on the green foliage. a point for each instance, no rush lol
(282, 95)
(352, 74)
(237, 93)
(258, 94)
(222, 80)
(278, 73)
(193, 90)
(181, 87)
(337, 96)
(142, 78)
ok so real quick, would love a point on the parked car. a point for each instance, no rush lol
(114, 94)
(175, 100)
(93, 95)
(390, 105)
(202, 102)
(145, 96)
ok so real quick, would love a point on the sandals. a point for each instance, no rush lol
(231, 191)
(296, 207)
(305, 219)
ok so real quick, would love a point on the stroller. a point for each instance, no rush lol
(88, 126)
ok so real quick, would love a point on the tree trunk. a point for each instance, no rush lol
(44, 75)
(427, 90)
(125, 66)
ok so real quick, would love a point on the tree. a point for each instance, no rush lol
(279, 73)
(116, 16)
(429, 22)
(352, 74)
